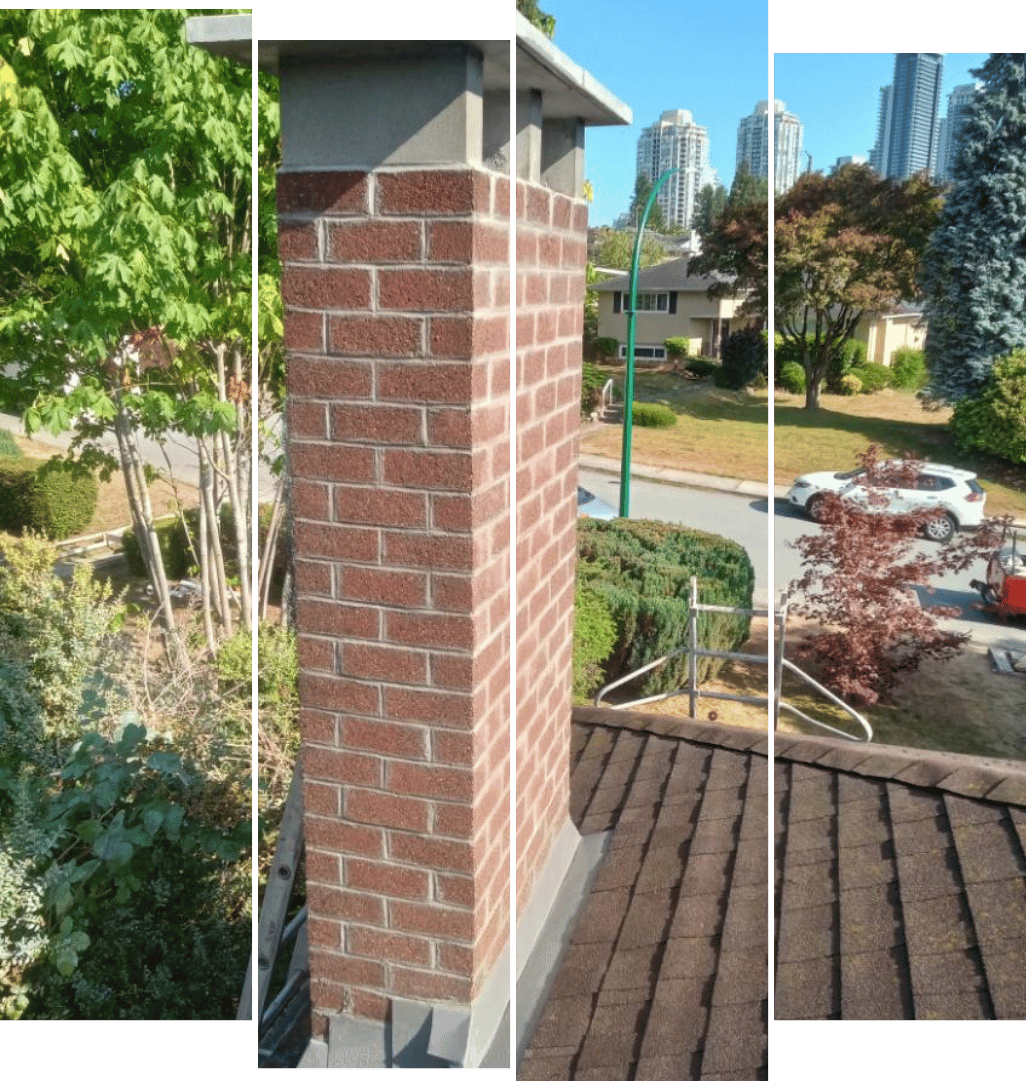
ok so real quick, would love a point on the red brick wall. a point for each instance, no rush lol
(396, 286)
(551, 232)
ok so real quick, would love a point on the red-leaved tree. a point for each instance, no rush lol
(859, 570)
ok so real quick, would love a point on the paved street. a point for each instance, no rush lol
(745, 519)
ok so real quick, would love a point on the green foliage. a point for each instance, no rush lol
(850, 385)
(994, 420)
(174, 548)
(709, 206)
(536, 17)
(846, 355)
(791, 377)
(642, 191)
(641, 570)
(677, 348)
(908, 368)
(614, 248)
(653, 415)
(594, 638)
(873, 377)
(606, 348)
(8, 447)
(592, 382)
(61, 634)
(745, 357)
(702, 366)
(56, 498)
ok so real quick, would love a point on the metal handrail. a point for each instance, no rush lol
(692, 690)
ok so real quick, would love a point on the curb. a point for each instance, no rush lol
(687, 479)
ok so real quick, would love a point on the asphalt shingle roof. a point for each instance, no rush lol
(671, 274)
(900, 893)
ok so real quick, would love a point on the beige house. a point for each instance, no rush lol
(671, 304)
(882, 334)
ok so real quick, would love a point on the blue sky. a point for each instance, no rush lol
(836, 96)
(710, 59)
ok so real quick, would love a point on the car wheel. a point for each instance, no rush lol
(941, 528)
(814, 508)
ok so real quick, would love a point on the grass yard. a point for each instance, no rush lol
(725, 433)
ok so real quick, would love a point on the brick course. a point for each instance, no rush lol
(396, 311)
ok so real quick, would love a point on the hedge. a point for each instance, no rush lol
(908, 368)
(791, 377)
(873, 377)
(653, 415)
(641, 570)
(677, 348)
(745, 358)
(56, 498)
(702, 366)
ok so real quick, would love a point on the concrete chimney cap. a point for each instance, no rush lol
(567, 89)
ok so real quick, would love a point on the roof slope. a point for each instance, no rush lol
(671, 274)
(900, 893)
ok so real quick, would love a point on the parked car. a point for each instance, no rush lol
(590, 506)
(954, 492)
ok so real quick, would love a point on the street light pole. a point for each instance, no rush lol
(628, 386)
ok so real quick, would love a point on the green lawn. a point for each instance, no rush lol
(725, 433)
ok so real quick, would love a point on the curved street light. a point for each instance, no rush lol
(628, 387)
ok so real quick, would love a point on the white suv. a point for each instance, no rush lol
(955, 492)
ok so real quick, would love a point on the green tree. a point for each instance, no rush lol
(536, 17)
(747, 188)
(642, 190)
(974, 269)
(615, 247)
(126, 228)
(845, 244)
(712, 200)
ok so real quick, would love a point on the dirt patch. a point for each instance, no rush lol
(961, 705)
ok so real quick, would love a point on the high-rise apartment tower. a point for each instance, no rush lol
(951, 127)
(753, 144)
(675, 141)
(908, 130)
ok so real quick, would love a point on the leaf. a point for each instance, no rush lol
(164, 762)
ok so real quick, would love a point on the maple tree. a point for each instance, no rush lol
(859, 570)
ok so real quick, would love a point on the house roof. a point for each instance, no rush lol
(900, 886)
(672, 274)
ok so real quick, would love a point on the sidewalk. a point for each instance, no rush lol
(685, 478)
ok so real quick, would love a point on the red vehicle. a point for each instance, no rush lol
(1004, 591)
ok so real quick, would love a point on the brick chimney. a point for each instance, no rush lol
(394, 208)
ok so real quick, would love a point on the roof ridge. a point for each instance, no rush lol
(960, 774)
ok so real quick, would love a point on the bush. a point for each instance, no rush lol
(994, 421)
(594, 638)
(606, 348)
(702, 366)
(592, 382)
(641, 570)
(873, 377)
(908, 368)
(8, 447)
(850, 354)
(745, 356)
(174, 546)
(653, 415)
(56, 498)
(850, 386)
(677, 348)
(791, 377)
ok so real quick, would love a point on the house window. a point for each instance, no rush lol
(645, 352)
(653, 302)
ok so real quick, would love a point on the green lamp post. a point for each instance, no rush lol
(628, 387)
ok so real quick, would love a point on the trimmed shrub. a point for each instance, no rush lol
(677, 348)
(873, 377)
(850, 385)
(995, 420)
(702, 366)
(851, 354)
(594, 638)
(745, 356)
(653, 415)
(791, 377)
(174, 547)
(592, 382)
(56, 498)
(641, 570)
(908, 368)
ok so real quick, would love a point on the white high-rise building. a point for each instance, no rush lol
(951, 126)
(753, 144)
(675, 141)
(907, 130)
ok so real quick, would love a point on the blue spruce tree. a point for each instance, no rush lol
(974, 268)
